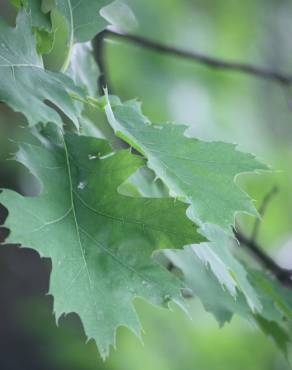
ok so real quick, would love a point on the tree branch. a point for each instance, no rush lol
(283, 275)
(211, 62)
(98, 45)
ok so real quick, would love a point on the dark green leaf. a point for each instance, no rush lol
(100, 241)
(201, 173)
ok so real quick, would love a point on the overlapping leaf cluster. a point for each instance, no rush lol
(102, 212)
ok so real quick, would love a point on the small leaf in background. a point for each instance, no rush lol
(210, 285)
(87, 20)
(120, 15)
(40, 22)
(216, 256)
(25, 84)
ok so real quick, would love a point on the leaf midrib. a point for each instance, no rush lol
(74, 212)
(77, 227)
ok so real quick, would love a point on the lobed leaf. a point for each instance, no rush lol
(274, 307)
(100, 241)
(201, 173)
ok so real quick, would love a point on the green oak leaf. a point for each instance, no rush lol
(201, 173)
(86, 20)
(216, 255)
(277, 293)
(25, 84)
(276, 319)
(210, 272)
(204, 284)
(273, 305)
(100, 241)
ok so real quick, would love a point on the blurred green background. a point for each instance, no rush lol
(217, 105)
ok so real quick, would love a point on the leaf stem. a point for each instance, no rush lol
(89, 100)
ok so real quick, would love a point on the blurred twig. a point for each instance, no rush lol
(103, 82)
(283, 275)
(212, 62)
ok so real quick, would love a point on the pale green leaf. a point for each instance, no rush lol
(120, 15)
(274, 309)
(202, 282)
(83, 69)
(231, 275)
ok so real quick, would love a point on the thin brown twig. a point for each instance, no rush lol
(209, 61)
(283, 275)
(99, 55)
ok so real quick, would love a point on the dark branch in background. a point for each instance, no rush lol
(283, 275)
(99, 55)
(260, 72)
